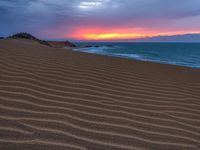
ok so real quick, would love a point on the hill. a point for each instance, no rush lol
(28, 36)
(60, 44)
(56, 44)
(174, 38)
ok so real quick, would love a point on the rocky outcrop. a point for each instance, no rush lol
(60, 44)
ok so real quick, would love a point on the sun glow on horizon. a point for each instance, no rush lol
(108, 36)
(98, 33)
(102, 33)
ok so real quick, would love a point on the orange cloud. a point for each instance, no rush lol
(107, 36)
(93, 33)
(123, 33)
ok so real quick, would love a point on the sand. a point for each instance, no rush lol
(58, 99)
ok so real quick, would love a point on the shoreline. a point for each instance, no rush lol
(79, 49)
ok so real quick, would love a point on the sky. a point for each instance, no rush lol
(99, 19)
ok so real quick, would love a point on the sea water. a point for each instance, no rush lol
(182, 54)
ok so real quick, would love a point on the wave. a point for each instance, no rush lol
(168, 56)
(110, 51)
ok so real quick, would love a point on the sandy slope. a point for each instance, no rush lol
(54, 99)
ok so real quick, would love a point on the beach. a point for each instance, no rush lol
(59, 99)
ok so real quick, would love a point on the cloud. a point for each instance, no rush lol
(52, 17)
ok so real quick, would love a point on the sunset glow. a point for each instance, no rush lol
(102, 33)
(112, 36)
(118, 33)
(100, 19)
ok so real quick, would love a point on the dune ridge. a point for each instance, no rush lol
(53, 98)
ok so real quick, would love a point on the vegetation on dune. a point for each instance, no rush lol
(24, 35)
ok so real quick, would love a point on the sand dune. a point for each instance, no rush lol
(57, 99)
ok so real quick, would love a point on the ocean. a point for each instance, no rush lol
(182, 54)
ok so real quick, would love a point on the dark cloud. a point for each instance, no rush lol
(52, 17)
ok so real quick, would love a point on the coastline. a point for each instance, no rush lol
(53, 98)
(180, 54)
